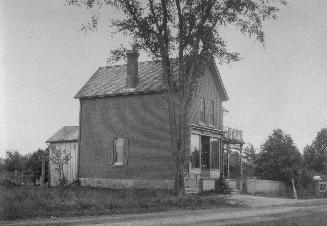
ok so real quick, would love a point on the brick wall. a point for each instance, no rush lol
(143, 119)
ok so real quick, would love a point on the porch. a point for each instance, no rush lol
(207, 155)
(233, 142)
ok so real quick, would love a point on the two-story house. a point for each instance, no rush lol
(124, 138)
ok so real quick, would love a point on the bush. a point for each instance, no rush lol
(222, 186)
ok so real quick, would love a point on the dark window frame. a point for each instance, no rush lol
(211, 112)
(202, 110)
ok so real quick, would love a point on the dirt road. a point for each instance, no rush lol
(258, 209)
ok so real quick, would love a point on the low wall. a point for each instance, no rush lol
(263, 186)
(124, 183)
(233, 183)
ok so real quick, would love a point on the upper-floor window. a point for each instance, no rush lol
(202, 110)
(118, 151)
(211, 115)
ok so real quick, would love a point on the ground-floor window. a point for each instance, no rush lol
(195, 151)
(206, 152)
(214, 151)
(118, 151)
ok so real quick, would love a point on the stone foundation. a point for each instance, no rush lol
(125, 183)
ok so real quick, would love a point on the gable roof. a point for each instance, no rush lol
(110, 81)
(66, 133)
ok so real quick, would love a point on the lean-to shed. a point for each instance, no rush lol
(65, 139)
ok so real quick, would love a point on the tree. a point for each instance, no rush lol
(249, 157)
(234, 164)
(315, 155)
(60, 159)
(2, 165)
(187, 30)
(34, 164)
(279, 158)
(14, 161)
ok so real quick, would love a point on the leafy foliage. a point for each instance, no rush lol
(315, 155)
(234, 164)
(279, 158)
(60, 159)
(14, 161)
(2, 164)
(249, 157)
(222, 186)
(34, 164)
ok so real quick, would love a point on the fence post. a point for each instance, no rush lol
(241, 168)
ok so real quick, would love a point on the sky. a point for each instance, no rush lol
(45, 59)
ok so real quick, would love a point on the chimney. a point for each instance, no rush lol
(132, 69)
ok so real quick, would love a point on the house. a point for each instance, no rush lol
(124, 129)
(65, 139)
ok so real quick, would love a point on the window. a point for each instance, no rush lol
(202, 110)
(214, 153)
(118, 151)
(205, 152)
(322, 186)
(195, 151)
(211, 115)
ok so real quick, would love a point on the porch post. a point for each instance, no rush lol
(228, 173)
(241, 168)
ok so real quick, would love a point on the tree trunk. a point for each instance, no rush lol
(294, 190)
(177, 122)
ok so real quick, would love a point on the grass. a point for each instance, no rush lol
(312, 219)
(42, 202)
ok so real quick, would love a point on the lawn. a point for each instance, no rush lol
(35, 202)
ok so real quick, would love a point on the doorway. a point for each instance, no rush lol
(205, 152)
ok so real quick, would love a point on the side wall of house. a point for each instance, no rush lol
(143, 120)
(70, 170)
(208, 89)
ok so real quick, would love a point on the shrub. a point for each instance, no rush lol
(222, 186)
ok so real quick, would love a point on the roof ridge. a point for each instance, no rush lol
(146, 61)
(119, 65)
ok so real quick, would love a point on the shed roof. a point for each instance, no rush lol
(109, 81)
(66, 133)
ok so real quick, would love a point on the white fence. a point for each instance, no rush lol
(263, 186)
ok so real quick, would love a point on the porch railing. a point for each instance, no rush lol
(233, 134)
